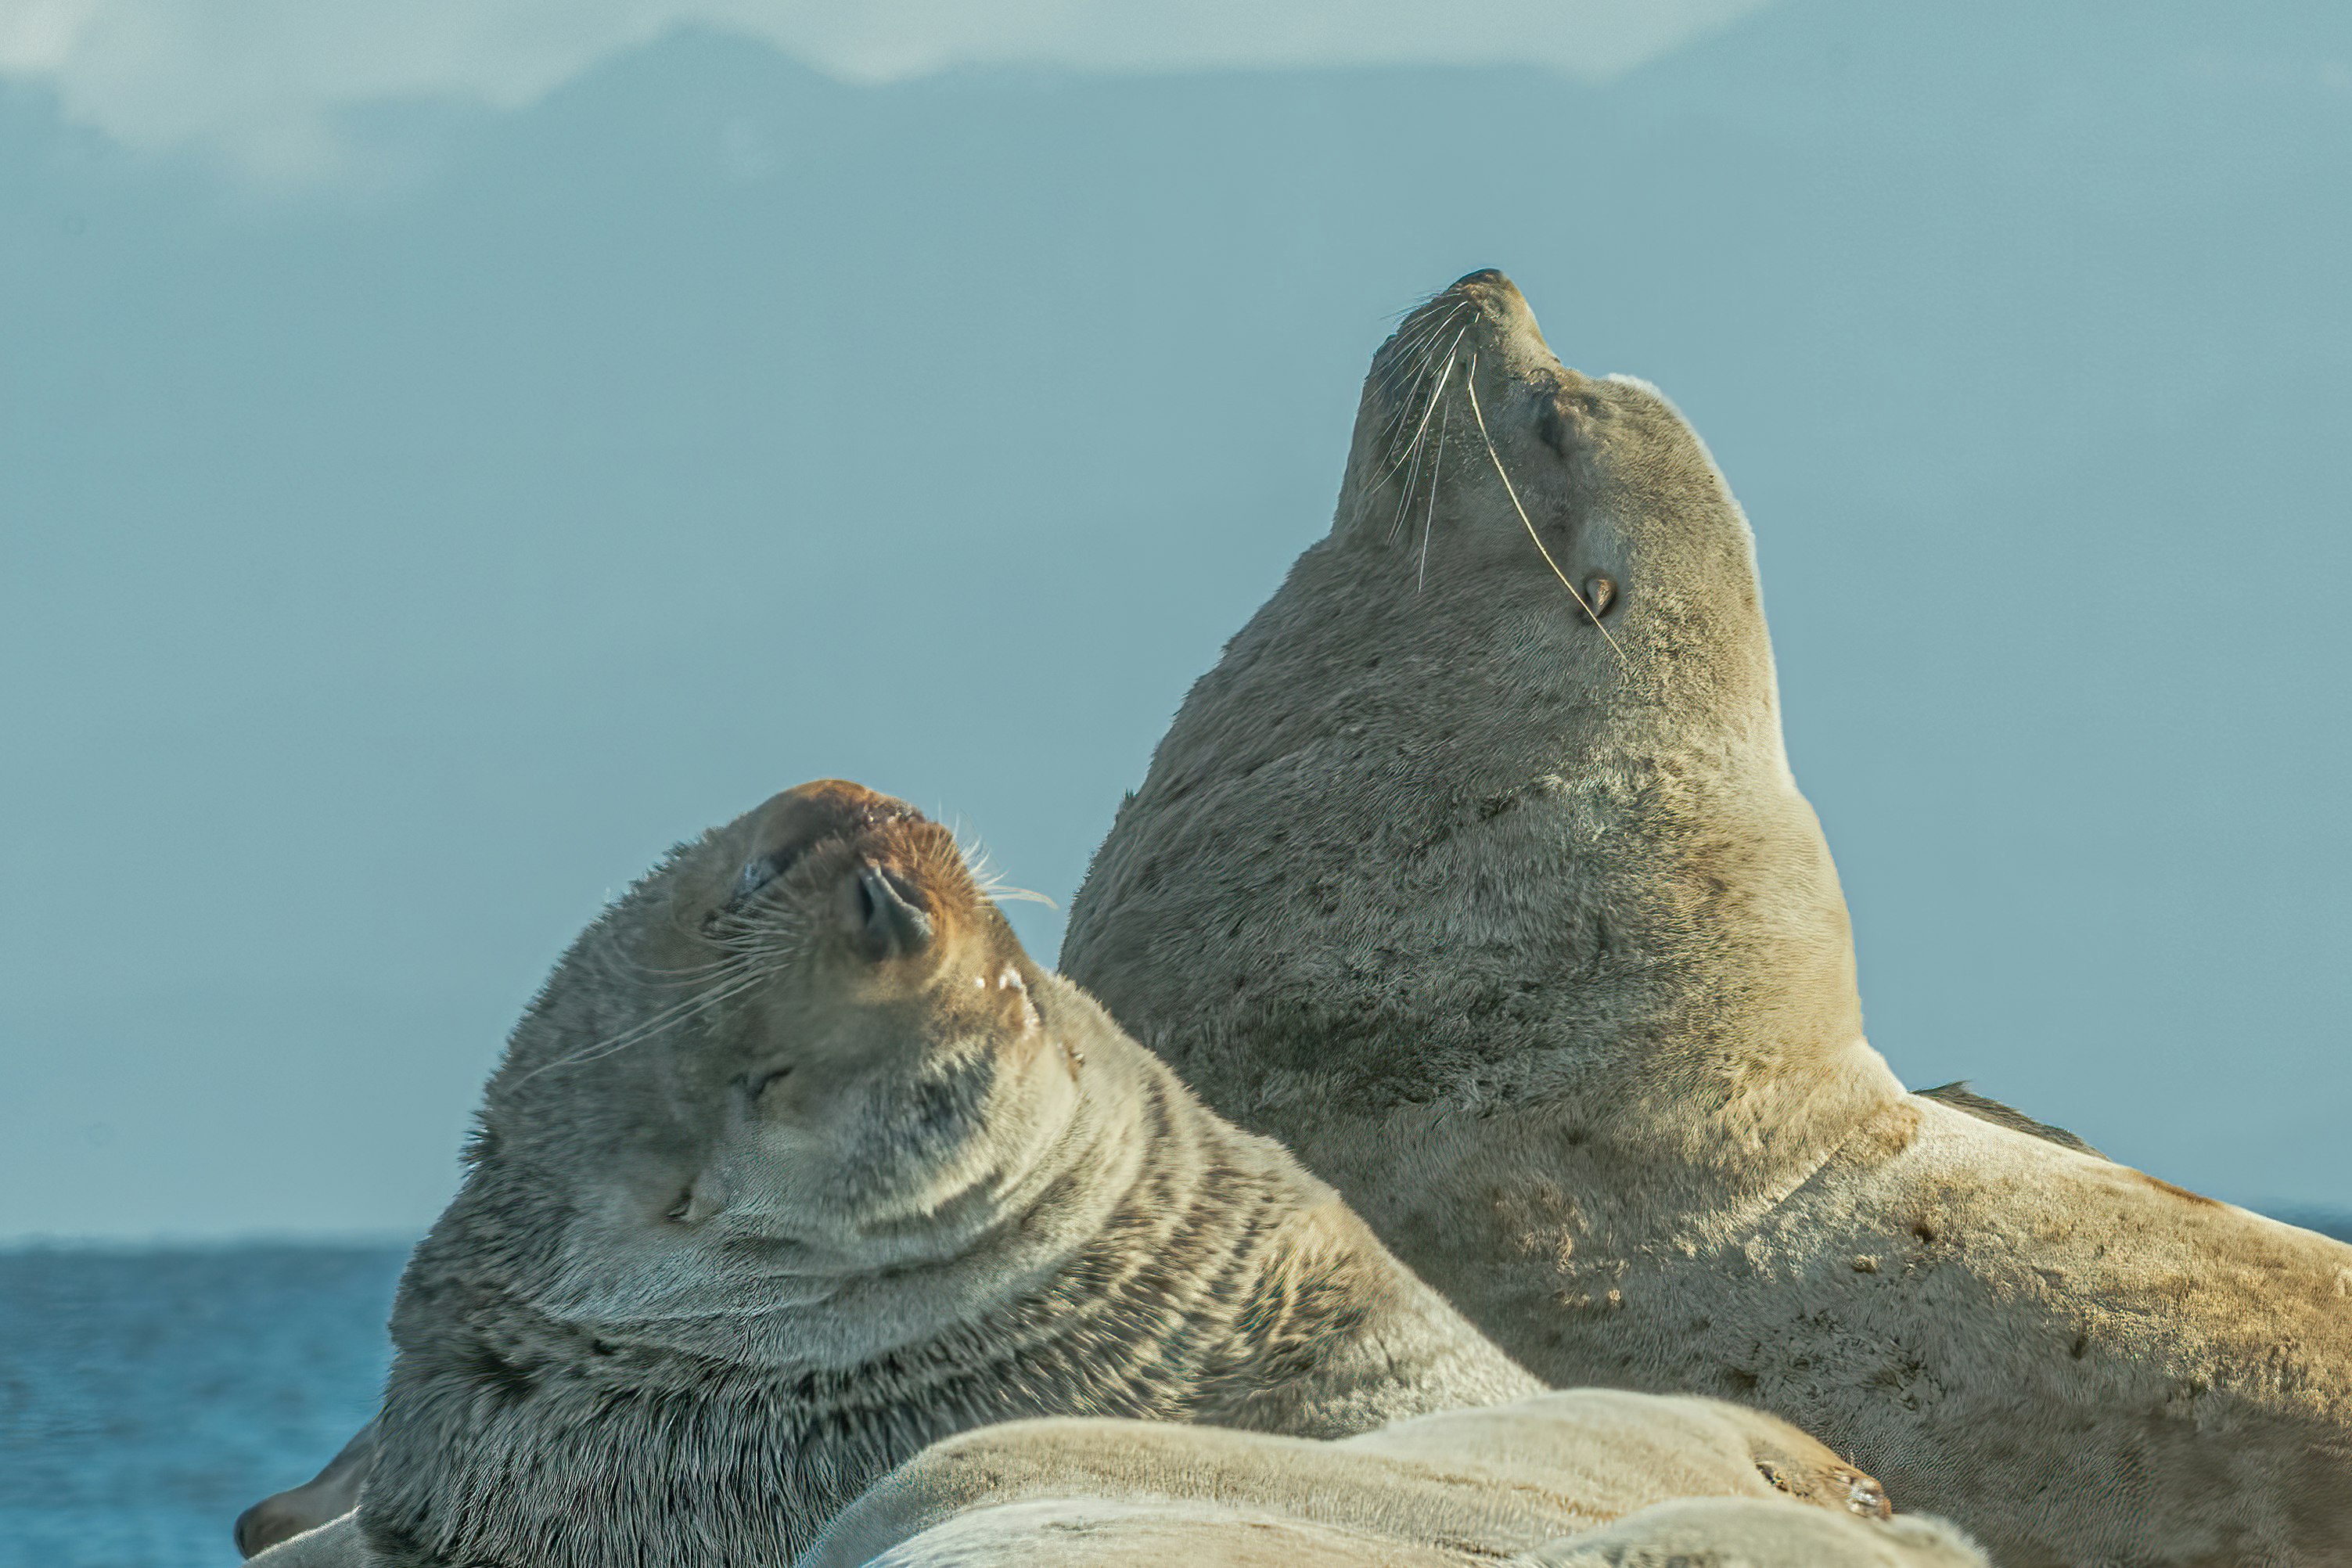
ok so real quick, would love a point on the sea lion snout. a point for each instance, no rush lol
(1499, 316)
(894, 873)
(1490, 285)
(785, 829)
(879, 916)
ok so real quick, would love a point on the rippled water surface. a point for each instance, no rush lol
(146, 1398)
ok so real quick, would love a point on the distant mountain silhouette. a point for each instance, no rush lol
(392, 573)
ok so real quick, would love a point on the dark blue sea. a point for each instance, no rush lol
(147, 1396)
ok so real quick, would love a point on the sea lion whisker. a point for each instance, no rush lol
(987, 880)
(1429, 524)
(764, 914)
(1400, 316)
(659, 1024)
(1437, 388)
(1005, 893)
(1470, 384)
(1419, 338)
(990, 883)
(1419, 353)
(1421, 393)
(647, 1028)
(1420, 436)
(1404, 495)
(1404, 383)
(1410, 455)
(690, 972)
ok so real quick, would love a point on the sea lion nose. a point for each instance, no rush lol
(1500, 314)
(882, 919)
(1493, 283)
(795, 822)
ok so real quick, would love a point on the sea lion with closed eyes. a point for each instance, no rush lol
(799, 1164)
(1477, 873)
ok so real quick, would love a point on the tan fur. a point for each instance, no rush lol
(1523, 935)
(799, 1163)
(1468, 1486)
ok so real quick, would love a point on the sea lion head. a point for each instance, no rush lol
(1491, 796)
(804, 1057)
(1579, 515)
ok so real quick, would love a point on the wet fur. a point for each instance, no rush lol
(1527, 940)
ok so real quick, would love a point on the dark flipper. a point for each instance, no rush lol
(332, 1493)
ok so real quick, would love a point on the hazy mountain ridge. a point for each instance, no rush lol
(416, 563)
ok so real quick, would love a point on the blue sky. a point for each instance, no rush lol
(440, 469)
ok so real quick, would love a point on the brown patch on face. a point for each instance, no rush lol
(896, 884)
(827, 806)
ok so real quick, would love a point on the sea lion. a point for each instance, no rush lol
(1458, 1486)
(1475, 872)
(799, 1164)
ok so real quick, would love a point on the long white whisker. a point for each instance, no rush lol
(690, 972)
(1412, 361)
(1434, 397)
(1420, 337)
(647, 1028)
(1470, 384)
(1429, 524)
(1002, 893)
(1405, 497)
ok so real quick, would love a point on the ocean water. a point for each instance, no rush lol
(147, 1397)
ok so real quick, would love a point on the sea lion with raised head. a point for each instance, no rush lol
(1468, 1486)
(1475, 872)
(799, 1164)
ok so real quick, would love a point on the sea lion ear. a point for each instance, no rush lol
(881, 919)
